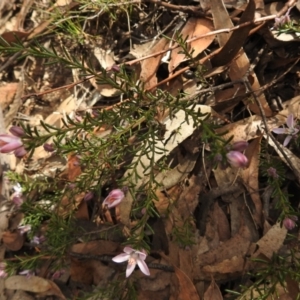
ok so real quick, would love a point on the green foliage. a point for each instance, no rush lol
(110, 143)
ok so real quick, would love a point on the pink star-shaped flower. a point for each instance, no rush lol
(290, 131)
(133, 257)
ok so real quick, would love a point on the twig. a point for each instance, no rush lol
(264, 119)
(132, 62)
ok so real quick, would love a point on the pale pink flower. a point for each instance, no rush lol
(24, 228)
(239, 146)
(17, 198)
(37, 240)
(3, 274)
(290, 131)
(27, 273)
(11, 143)
(237, 159)
(49, 147)
(57, 274)
(88, 196)
(272, 172)
(17, 131)
(283, 20)
(289, 222)
(114, 198)
(133, 257)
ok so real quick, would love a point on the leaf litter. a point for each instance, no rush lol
(212, 224)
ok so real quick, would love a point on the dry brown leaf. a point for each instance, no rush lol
(33, 284)
(62, 2)
(106, 61)
(13, 36)
(222, 223)
(250, 178)
(21, 295)
(177, 130)
(241, 64)
(188, 198)
(89, 271)
(292, 287)
(74, 168)
(187, 289)
(236, 246)
(13, 240)
(273, 8)
(213, 292)
(7, 93)
(95, 247)
(159, 285)
(193, 27)
(149, 66)
(284, 297)
(272, 241)
(227, 266)
(252, 127)
(69, 203)
(237, 38)
(82, 212)
(163, 201)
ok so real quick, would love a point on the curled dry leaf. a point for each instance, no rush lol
(232, 43)
(33, 284)
(272, 241)
(106, 60)
(194, 27)
(182, 129)
(187, 289)
(250, 178)
(149, 66)
(13, 240)
(213, 292)
(7, 93)
(237, 38)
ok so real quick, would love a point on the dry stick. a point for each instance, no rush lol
(129, 63)
(264, 119)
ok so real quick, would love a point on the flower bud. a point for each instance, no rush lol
(289, 222)
(88, 196)
(17, 131)
(272, 172)
(48, 147)
(237, 159)
(114, 198)
(17, 200)
(3, 274)
(20, 152)
(239, 146)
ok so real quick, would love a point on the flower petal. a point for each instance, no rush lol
(287, 140)
(114, 198)
(128, 250)
(121, 258)
(20, 152)
(130, 268)
(12, 146)
(7, 138)
(239, 146)
(142, 255)
(280, 130)
(290, 121)
(237, 159)
(17, 131)
(295, 131)
(143, 267)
